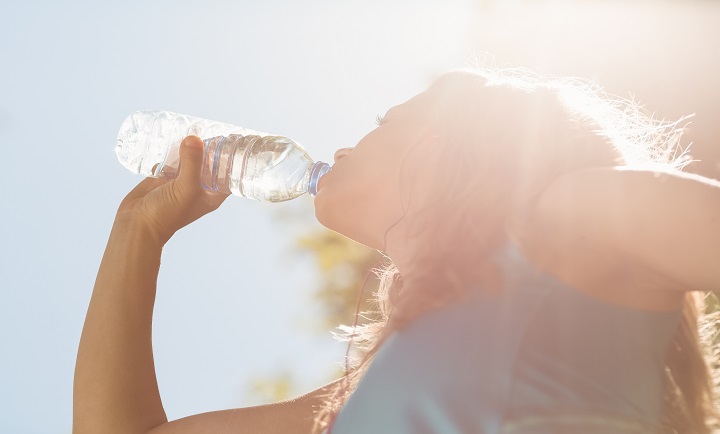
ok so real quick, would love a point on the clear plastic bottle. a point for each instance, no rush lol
(237, 160)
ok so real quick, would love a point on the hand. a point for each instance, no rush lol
(162, 206)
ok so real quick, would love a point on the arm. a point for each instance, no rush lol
(115, 388)
(293, 416)
(668, 222)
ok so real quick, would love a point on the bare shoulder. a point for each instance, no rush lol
(291, 416)
(647, 231)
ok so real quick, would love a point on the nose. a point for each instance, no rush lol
(341, 153)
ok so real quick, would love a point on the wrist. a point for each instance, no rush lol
(136, 232)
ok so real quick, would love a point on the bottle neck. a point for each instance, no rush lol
(316, 172)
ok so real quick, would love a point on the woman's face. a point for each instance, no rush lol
(365, 192)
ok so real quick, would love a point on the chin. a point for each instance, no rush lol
(328, 213)
(330, 216)
(343, 221)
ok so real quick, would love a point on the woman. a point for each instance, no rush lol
(544, 249)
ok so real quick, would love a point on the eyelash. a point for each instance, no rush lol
(379, 120)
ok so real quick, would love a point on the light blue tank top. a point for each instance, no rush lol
(539, 357)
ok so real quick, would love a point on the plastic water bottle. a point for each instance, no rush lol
(236, 160)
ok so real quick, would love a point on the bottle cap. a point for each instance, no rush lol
(318, 170)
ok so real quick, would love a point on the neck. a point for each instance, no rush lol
(400, 248)
(415, 257)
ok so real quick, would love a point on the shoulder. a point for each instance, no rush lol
(648, 231)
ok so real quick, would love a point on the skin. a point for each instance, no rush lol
(115, 387)
(363, 195)
(650, 236)
(631, 237)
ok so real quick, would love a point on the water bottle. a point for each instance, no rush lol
(236, 160)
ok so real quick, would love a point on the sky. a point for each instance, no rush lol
(234, 295)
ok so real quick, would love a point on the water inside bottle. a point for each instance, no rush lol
(275, 170)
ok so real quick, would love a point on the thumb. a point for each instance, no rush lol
(191, 160)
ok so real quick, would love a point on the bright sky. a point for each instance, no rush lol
(233, 296)
(233, 299)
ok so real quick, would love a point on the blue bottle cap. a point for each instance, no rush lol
(318, 170)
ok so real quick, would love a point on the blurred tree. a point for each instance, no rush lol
(343, 265)
(274, 388)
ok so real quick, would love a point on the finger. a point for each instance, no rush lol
(191, 159)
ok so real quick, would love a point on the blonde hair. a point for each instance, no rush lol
(522, 130)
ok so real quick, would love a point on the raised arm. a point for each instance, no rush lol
(667, 221)
(115, 388)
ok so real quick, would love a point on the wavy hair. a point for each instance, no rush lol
(521, 131)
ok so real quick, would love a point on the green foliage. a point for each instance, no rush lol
(712, 302)
(343, 265)
(712, 308)
(272, 389)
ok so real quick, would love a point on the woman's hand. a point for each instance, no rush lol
(162, 206)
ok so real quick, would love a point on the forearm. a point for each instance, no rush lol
(665, 221)
(115, 388)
